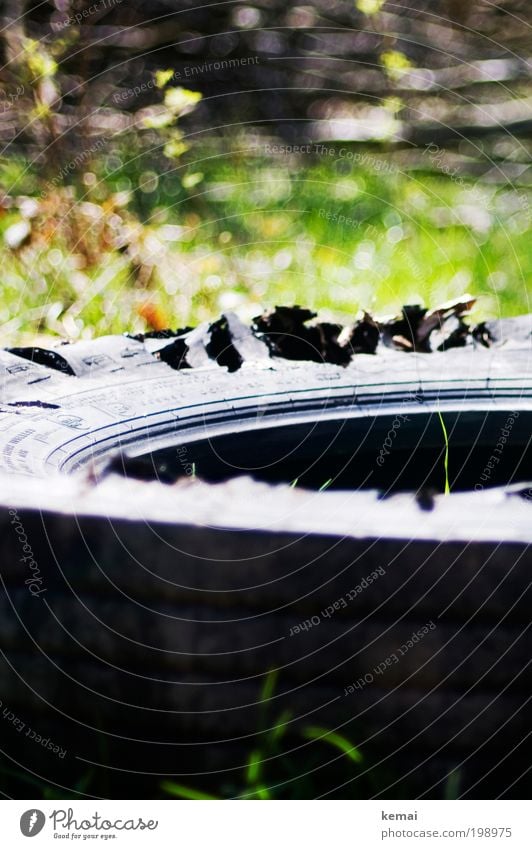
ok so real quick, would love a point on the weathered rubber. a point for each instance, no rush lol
(158, 610)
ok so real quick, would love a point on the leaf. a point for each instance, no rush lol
(369, 7)
(158, 120)
(153, 316)
(175, 148)
(39, 62)
(41, 111)
(179, 100)
(163, 77)
(396, 64)
(191, 180)
(392, 104)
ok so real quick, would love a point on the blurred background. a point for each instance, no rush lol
(164, 162)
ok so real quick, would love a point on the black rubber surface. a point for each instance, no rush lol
(139, 630)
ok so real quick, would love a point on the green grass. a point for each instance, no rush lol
(447, 488)
(269, 770)
(180, 791)
(238, 230)
(338, 741)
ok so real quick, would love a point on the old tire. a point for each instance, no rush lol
(149, 615)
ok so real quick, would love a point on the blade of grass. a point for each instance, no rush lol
(269, 685)
(260, 792)
(325, 485)
(266, 693)
(253, 767)
(182, 792)
(314, 732)
(263, 792)
(446, 455)
(253, 776)
(84, 782)
(452, 785)
(279, 729)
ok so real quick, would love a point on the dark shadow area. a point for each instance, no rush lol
(392, 453)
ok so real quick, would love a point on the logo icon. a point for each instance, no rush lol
(32, 822)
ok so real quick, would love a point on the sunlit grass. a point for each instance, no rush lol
(447, 488)
(243, 232)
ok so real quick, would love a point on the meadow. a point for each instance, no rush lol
(133, 243)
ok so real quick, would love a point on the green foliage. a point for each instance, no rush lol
(38, 60)
(265, 772)
(136, 245)
(177, 102)
(70, 243)
(163, 77)
(452, 785)
(63, 139)
(369, 7)
(395, 63)
(180, 791)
